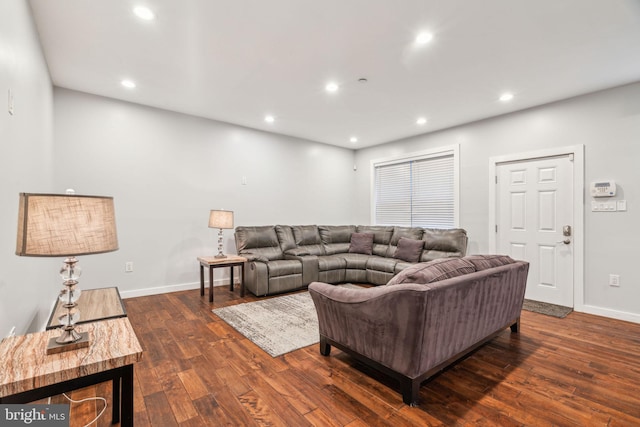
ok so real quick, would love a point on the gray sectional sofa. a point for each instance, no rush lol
(283, 258)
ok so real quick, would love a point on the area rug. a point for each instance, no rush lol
(276, 325)
(546, 308)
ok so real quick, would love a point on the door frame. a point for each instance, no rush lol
(577, 151)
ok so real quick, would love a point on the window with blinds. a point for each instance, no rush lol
(417, 192)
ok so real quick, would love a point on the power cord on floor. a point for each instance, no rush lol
(88, 399)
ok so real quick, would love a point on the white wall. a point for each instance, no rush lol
(167, 170)
(608, 124)
(28, 286)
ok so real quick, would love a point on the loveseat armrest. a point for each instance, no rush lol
(383, 323)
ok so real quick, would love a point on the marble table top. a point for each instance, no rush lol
(26, 366)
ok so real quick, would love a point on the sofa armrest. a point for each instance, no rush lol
(296, 252)
(254, 257)
(382, 323)
(309, 264)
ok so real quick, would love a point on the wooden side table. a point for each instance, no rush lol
(29, 374)
(213, 262)
(93, 304)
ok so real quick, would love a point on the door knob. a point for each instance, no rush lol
(565, 241)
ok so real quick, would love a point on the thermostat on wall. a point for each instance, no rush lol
(603, 189)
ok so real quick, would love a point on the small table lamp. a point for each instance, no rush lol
(52, 225)
(220, 219)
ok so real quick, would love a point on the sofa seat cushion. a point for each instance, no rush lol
(284, 267)
(433, 271)
(356, 261)
(388, 265)
(331, 262)
(402, 265)
(482, 262)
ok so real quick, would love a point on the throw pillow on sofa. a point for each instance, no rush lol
(361, 243)
(433, 271)
(409, 250)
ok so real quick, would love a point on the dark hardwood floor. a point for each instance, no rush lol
(582, 370)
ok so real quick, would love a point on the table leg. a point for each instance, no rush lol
(127, 397)
(115, 402)
(201, 280)
(231, 285)
(242, 280)
(211, 283)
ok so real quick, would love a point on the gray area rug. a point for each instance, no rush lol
(546, 308)
(277, 325)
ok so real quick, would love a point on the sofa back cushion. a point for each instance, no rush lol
(440, 243)
(381, 237)
(336, 238)
(433, 271)
(414, 233)
(285, 237)
(261, 241)
(482, 262)
(308, 238)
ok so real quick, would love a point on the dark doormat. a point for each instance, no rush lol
(546, 308)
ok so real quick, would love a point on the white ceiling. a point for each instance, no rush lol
(237, 60)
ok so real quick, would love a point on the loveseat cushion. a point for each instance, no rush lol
(482, 262)
(433, 271)
(361, 243)
(409, 250)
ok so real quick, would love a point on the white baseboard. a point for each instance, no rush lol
(607, 312)
(171, 288)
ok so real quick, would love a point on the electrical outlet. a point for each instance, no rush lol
(128, 267)
(614, 280)
(12, 332)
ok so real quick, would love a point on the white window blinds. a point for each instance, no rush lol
(418, 192)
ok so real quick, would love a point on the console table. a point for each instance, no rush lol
(29, 374)
(213, 262)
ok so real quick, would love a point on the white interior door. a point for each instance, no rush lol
(534, 214)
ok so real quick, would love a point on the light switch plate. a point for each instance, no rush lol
(622, 205)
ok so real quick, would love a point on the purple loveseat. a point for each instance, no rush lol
(425, 318)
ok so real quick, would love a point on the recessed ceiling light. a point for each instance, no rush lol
(507, 96)
(353, 139)
(331, 87)
(269, 119)
(424, 38)
(144, 13)
(128, 84)
(421, 121)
